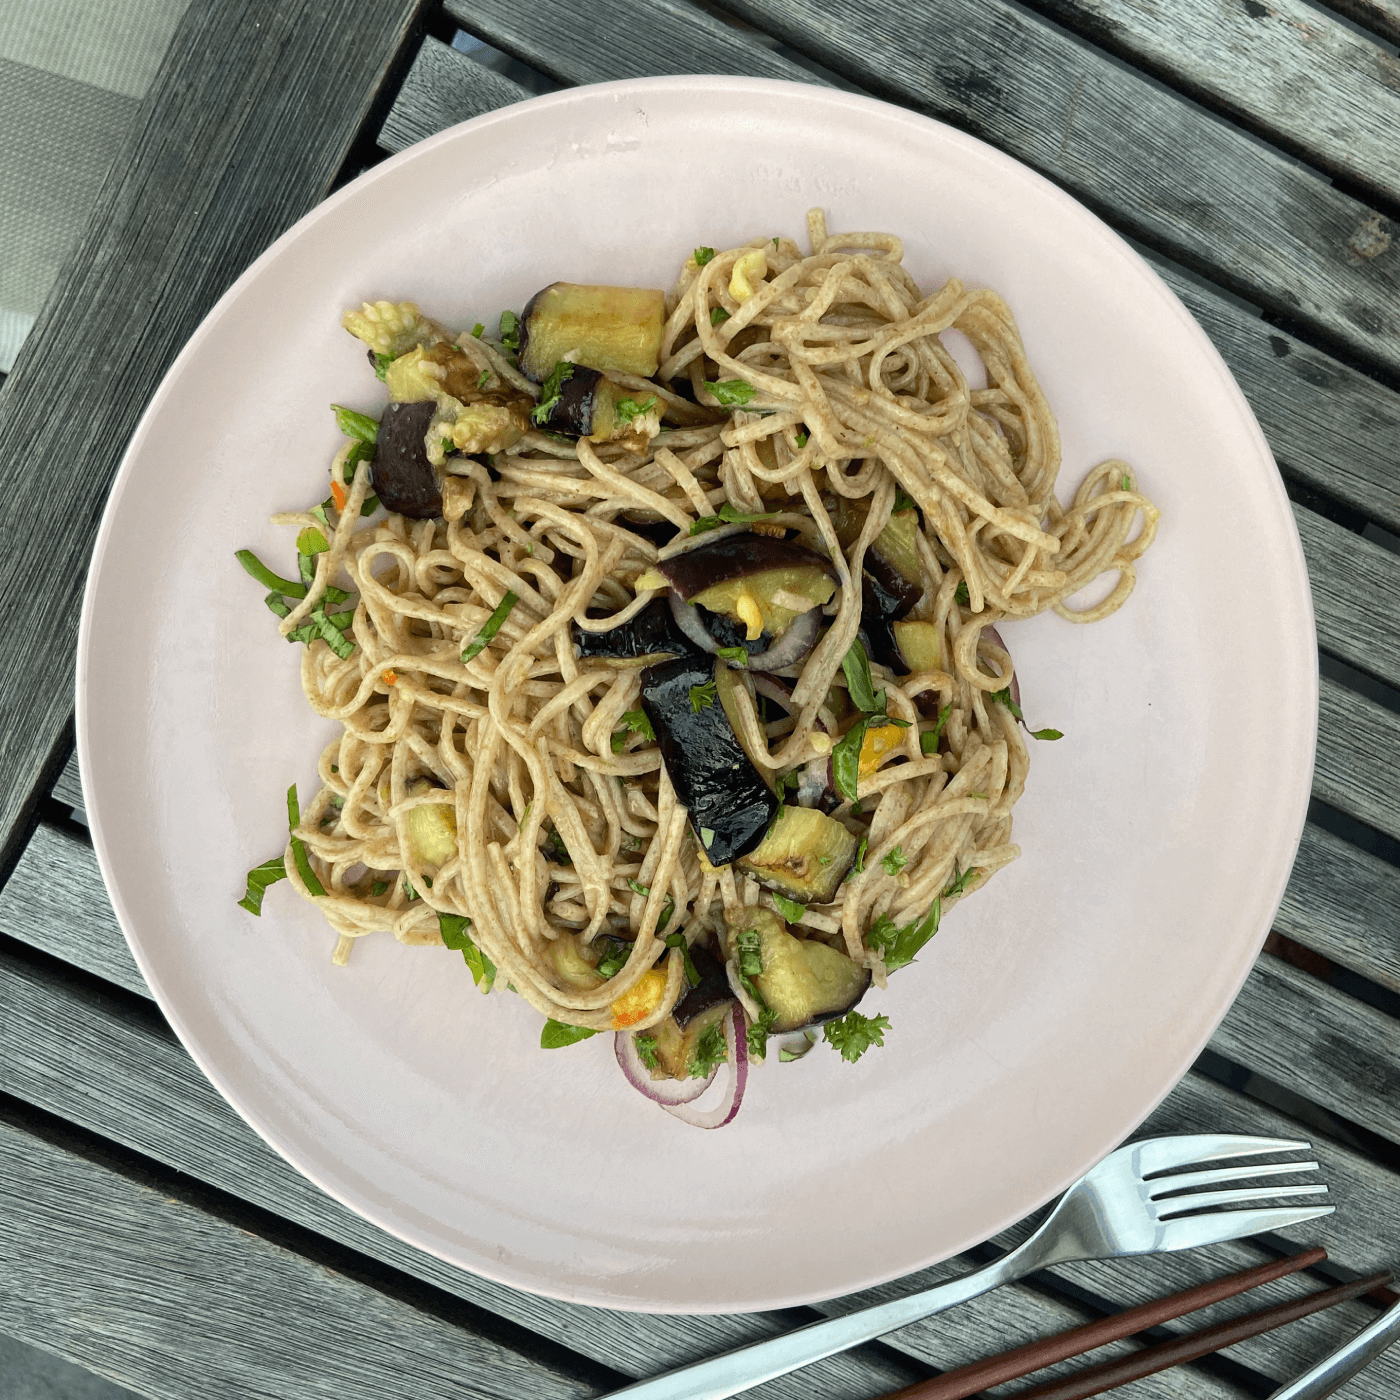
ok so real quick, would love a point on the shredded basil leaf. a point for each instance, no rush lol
(845, 760)
(727, 516)
(356, 425)
(478, 331)
(859, 684)
(453, 928)
(638, 888)
(802, 437)
(266, 577)
(614, 957)
(550, 392)
(278, 604)
(731, 393)
(790, 909)
(484, 380)
(928, 740)
(489, 628)
(259, 878)
(677, 940)
(667, 910)
(556, 1035)
(1003, 697)
(510, 330)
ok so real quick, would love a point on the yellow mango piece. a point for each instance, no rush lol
(636, 1005)
(880, 742)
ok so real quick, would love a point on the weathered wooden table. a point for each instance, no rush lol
(1248, 148)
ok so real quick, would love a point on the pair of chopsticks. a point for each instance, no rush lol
(968, 1380)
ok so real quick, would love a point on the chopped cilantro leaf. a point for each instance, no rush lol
(718, 315)
(738, 655)
(898, 946)
(731, 393)
(381, 364)
(638, 888)
(790, 909)
(758, 1033)
(703, 255)
(645, 1046)
(356, 425)
(556, 1035)
(710, 1052)
(854, 1034)
(510, 330)
(961, 596)
(750, 953)
(802, 437)
(633, 722)
(727, 516)
(627, 411)
(484, 380)
(478, 331)
(550, 391)
(703, 696)
(789, 1053)
(378, 888)
(489, 628)
(928, 740)
(895, 862)
(902, 501)
(259, 878)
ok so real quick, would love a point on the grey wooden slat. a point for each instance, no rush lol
(175, 1303)
(96, 1062)
(1382, 16)
(1345, 904)
(1245, 215)
(624, 39)
(1286, 70)
(247, 122)
(55, 900)
(1319, 1042)
(443, 87)
(1358, 750)
(68, 786)
(1356, 595)
(1329, 425)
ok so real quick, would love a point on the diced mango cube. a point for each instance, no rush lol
(880, 741)
(636, 1005)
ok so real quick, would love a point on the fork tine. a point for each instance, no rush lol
(1198, 1230)
(1188, 1179)
(1226, 1198)
(1161, 1154)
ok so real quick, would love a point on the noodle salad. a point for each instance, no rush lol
(661, 628)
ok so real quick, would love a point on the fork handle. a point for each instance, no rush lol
(737, 1370)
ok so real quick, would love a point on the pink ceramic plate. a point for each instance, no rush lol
(1053, 1011)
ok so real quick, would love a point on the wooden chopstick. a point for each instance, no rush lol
(1096, 1379)
(1035, 1356)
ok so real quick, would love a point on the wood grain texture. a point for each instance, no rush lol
(622, 39)
(1345, 904)
(68, 786)
(1358, 747)
(443, 87)
(100, 1063)
(1241, 213)
(1318, 1042)
(1381, 16)
(174, 1303)
(245, 126)
(1286, 70)
(1356, 595)
(1329, 425)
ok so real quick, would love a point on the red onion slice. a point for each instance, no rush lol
(1015, 687)
(666, 1092)
(687, 617)
(736, 1042)
(793, 645)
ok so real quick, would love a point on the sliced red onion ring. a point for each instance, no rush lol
(1015, 686)
(736, 1042)
(666, 1092)
(687, 617)
(793, 645)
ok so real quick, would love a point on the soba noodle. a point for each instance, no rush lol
(564, 832)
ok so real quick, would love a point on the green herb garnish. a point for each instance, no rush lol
(556, 1035)
(378, 888)
(1003, 697)
(489, 628)
(266, 577)
(381, 365)
(718, 315)
(898, 946)
(928, 740)
(478, 331)
(356, 425)
(750, 945)
(902, 501)
(278, 604)
(453, 928)
(614, 958)
(845, 760)
(646, 1049)
(638, 888)
(703, 696)
(299, 856)
(790, 909)
(259, 878)
(786, 1055)
(854, 1034)
(802, 437)
(484, 380)
(1046, 734)
(510, 330)
(961, 883)
(550, 392)
(961, 596)
(895, 862)
(633, 722)
(703, 255)
(731, 393)
(738, 655)
(677, 940)
(627, 411)
(710, 1052)
(859, 684)
(727, 516)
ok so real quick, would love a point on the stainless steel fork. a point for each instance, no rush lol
(1112, 1211)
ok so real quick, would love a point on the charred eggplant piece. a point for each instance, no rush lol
(803, 982)
(759, 581)
(805, 856)
(727, 682)
(650, 636)
(919, 644)
(601, 327)
(403, 477)
(676, 1047)
(711, 990)
(579, 401)
(730, 805)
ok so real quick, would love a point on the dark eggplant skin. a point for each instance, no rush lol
(723, 792)
(896, 594)
(712, 988)
(573, 411)
(736, 556)
(402, 475)
(658, 532)
(652, 632)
